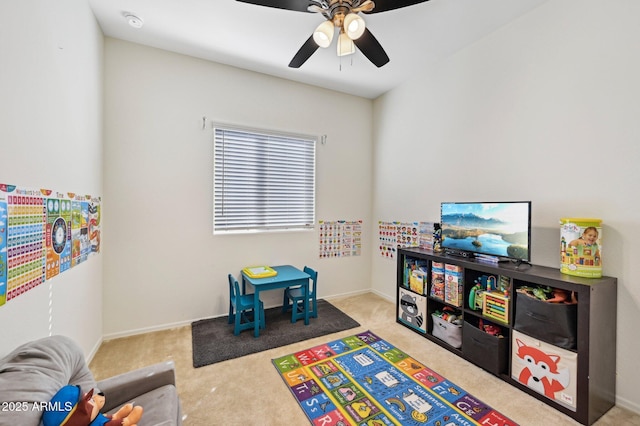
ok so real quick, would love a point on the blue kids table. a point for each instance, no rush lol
(287, 276)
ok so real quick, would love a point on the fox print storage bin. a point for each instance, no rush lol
(547, 369)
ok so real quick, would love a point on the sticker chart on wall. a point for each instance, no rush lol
(395, 235)
(340, 238)
(42, 234)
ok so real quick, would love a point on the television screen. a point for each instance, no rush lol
(501, 229)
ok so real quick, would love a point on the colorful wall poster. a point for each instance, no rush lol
(395, 235)
(36, 235)
(25, 239)
(426, 235)
(58, 235)
(79, 232)
(3, 249)
(94, 224)
(340, 238)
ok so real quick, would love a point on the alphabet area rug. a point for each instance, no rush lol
(365, 380)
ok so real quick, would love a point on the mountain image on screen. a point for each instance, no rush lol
(496, 229)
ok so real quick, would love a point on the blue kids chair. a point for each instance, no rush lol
(296, 296)
(240, 305)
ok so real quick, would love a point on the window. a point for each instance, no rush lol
(262, 180)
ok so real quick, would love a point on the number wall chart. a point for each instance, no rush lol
(340, 238)
(39, 230)
(395, 235)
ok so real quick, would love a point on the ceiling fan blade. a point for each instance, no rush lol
(371, 48)
(296, 5)
(308, 48)
(386, 5)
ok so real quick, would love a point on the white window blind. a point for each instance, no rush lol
(262, 180)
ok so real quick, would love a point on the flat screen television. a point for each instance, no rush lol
(499, 229)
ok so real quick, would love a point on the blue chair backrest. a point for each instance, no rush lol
(314, 278)
(234, 288)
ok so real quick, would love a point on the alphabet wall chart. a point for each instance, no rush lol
(42, 234)
(340, 238)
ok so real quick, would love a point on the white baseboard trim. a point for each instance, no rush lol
(94, 350)
(627, 405)
(145, 330)
(169, 326)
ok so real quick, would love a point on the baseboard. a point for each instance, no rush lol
(94, 350)
(391, 299)
(145, 330)
(163, 327)
(627, 405)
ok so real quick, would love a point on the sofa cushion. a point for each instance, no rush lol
(32, 374)
(161, 406)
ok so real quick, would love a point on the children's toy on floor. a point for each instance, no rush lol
(69, 407)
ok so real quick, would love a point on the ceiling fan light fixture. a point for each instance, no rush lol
(354, 26)
(323, 35)
(345, 45)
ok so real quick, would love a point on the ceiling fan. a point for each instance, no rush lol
(343, 16)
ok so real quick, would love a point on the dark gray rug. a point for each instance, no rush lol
(213, 340)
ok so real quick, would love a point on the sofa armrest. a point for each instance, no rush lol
(127, 386)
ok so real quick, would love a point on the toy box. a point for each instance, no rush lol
(547, 369)
(556, 323)
(448, 332)
(411, 309)
(488, 351)
(581, 247)
(453, 284)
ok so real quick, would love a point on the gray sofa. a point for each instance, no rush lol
(35, 371)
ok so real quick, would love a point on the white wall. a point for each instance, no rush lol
(51, 137)
(545, 109)
(163, 266)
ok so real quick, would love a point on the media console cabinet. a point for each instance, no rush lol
(563, 354)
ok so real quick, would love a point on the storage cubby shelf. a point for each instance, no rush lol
(580, 338)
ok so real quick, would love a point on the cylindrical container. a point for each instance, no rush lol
(581, 247)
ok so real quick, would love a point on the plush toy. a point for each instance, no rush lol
(69, 407)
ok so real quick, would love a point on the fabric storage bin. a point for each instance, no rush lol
(484, 350)
(549, 370)
(412, 309)
(448, 332)
(554, 323)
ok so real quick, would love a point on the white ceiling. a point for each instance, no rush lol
(265, 39)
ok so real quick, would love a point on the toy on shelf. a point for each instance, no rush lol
(448, 314)
(476, 297)
(496, 306)
(453, 284)
(548, 294)
(490, 294)
(489, 328)
(437, 281)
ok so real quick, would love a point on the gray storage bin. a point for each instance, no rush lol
(448, 332)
